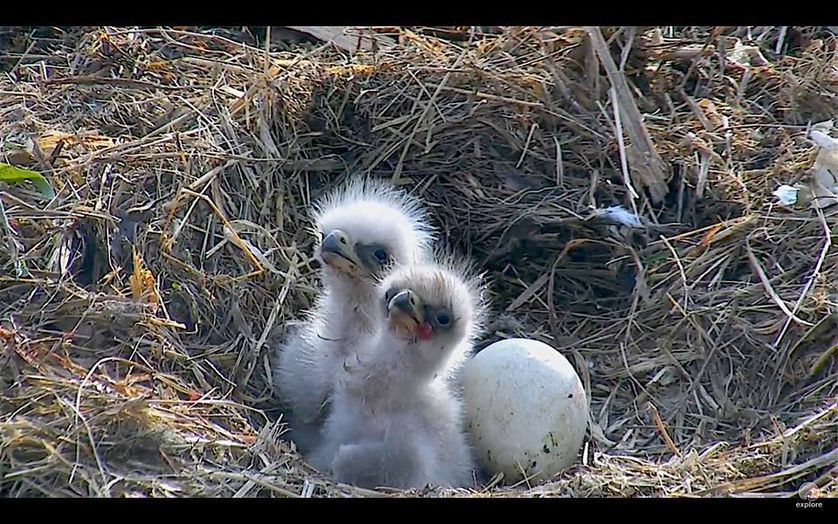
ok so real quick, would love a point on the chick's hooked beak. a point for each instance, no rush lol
(336, 252)
(406, 312)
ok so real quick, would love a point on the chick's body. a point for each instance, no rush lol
(312, 357)
(395, 419)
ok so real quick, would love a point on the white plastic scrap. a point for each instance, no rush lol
(787, 195)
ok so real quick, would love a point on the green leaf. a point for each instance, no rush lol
(14, 174)
(10, 145)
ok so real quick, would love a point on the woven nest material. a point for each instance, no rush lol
(138, 306)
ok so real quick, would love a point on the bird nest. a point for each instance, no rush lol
(139, 304)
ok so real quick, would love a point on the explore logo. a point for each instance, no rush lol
(809, 492)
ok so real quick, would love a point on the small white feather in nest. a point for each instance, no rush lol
(620, 215)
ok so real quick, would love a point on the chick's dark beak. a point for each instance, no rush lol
(406, 302)
(336, 251)
(336, 242)
(405, 310)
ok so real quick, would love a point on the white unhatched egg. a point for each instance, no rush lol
(526, 409)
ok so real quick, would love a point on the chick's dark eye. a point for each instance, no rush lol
(443, 319)
(380, 255)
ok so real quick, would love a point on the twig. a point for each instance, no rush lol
(766, 283)
(651, 166)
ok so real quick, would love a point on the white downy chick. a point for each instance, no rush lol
(365, 228)
(395, 420)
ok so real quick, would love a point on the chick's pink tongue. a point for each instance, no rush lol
(424, 330)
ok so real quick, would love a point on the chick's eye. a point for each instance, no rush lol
(443, 319)
(380, 255)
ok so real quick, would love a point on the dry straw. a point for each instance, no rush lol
(137, 307)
